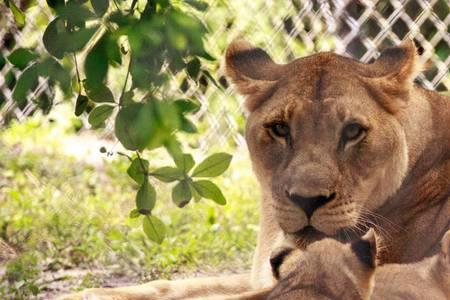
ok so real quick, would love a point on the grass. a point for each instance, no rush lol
(65, 212)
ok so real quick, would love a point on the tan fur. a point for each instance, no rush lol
(327, 269)
(427, 279)
(336, 267)
(395, 179)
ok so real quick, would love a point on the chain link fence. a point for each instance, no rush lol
(286, 29)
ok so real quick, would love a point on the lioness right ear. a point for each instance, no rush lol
(445, 247)
(391, 76)
(366, 248)
(252, 71)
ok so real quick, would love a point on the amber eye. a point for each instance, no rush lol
(353, 132)
(280, 130)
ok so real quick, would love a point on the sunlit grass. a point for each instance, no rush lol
(60, 211)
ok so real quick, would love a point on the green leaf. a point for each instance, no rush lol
(81, 105)
(209, 190)
(188, 126)
(134, 214)
(98, 92)
(199, 5)
(53, 41)
(114, 54)
(206, 56)
(193, 68)
(212, 79)
(21, 57)
(76, 40)
(27, 80)
(100, 6)
(167, 174)
(134, 126)
(187, 105)
(99, 115)
(184, 162)
(145, 198)
(194, 192)
(96, 63)
(55, 3)
(138, 169)
(18, 14)
(154, 228)
(213, 165)
(2, 61)
(10, 79)
(53, 69)
(181, 193)
(75, 13)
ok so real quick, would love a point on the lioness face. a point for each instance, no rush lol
(323, 133)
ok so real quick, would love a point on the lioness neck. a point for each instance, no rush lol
(418, 214)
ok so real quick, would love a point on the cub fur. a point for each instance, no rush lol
(331, 270)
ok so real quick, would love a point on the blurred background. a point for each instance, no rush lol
(64, 205)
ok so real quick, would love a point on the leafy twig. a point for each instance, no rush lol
(78, 72)
(125, 83)
(125, 155)
(133, 5)
(144, 171)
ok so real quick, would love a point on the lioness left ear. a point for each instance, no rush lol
(366, 248)
(445, 247)
(391, 76)
(252, 71)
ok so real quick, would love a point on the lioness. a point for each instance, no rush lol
(337, 146)
(328, 269)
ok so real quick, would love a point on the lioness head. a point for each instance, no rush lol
(323, 132)
(326, 269)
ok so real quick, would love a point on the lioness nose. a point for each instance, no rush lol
(310, 204)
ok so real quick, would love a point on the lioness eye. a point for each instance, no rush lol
(352, 132)
(280, 129)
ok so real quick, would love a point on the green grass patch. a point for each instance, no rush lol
(61, 212)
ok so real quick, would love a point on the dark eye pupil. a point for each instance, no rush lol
(352, 131)
(281, 130)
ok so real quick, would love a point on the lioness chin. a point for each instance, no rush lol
(337, 146)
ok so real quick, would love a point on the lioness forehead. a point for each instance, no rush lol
(320, 76)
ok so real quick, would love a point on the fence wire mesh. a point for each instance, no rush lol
(286, 29)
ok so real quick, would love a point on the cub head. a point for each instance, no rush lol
(326, 269)
(324, 134)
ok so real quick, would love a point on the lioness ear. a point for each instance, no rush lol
(391, 76)
(252, 71)
(445, 247)
(366, 248)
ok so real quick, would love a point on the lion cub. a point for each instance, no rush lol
(331, 270)
(326, 269)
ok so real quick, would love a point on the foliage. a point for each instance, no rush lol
(149, 40)
(65, 218)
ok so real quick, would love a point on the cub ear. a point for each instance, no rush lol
(366, 248)
(391, 76)
(277, 258)
(445, 247)
(252, 71)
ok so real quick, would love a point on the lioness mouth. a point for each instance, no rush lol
(309, 234)
(306, 236)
